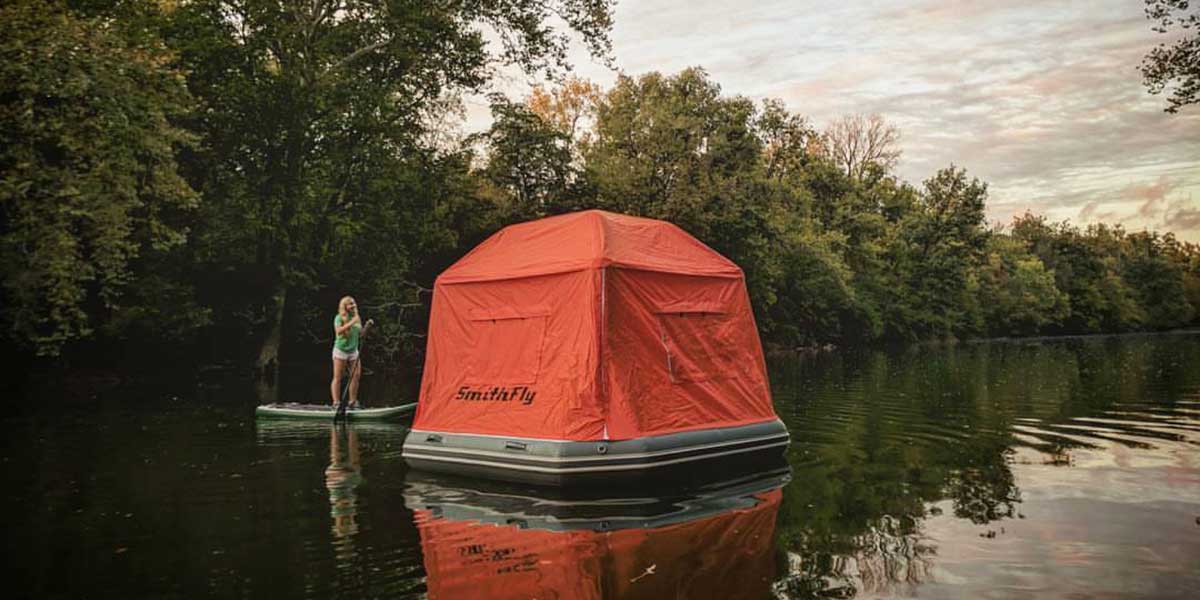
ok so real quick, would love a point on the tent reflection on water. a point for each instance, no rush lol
(501, 542)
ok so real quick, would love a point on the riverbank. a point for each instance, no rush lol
(948, 342)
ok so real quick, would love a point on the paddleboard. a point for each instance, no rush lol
(292, 410)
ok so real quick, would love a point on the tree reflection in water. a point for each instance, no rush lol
(889, 557)
(882, 442)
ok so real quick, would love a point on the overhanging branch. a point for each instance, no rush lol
(353, 56)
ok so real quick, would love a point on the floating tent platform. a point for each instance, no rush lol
(591, 347)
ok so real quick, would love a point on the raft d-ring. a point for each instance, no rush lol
(602, 449)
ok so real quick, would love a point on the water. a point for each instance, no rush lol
(1041, 469)
(1049, 468)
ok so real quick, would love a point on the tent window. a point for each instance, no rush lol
(507, 347)
(697, 345)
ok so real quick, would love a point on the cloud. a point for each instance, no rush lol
(1152, 195)
(1151, 191)
(1182, 215)
(1041, 100)
(1087, 211)
(1183, 219)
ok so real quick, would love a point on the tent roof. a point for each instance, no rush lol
(584, 240)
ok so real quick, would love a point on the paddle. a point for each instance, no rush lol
(340, 413)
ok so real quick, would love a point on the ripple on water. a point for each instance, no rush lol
(1039, 469)
(1028, 468)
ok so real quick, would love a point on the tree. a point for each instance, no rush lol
(671, 147)
(307, 104)
(1016, 293)
(855, 142)
(937, 246)
(1186, 257)
(89, 191)
(1156, 280)
(529, 159)
(814, 294)
(789, 142)
(1086, 267)
(862, 216)
(570, 107)
(1176, 65)
(674, 148)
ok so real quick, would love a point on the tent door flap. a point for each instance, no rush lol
(696, 338)
(507, 346)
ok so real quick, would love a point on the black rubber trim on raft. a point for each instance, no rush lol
(610, 463)
(508, 445)
(682, 457)
(597, 469)
(577, 463)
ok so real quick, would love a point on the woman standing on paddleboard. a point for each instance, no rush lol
(347, 326)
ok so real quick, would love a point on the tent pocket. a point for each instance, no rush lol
(696, 339)
(507, 345)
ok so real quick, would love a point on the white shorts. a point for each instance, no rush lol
(341, 355)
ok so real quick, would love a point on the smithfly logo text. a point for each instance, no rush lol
(519, 393)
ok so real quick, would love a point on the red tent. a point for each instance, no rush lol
(592, 326)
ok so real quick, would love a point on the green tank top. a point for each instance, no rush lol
(347, 342)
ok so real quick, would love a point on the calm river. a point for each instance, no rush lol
(1035, 469)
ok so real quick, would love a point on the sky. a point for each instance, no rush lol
(1040, 99)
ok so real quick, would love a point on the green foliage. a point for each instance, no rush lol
(815, 295)
(787, 140)
(883, 443)
(673, 148)
(89, 191)
(938, 245)
(310, 132)
(1175, 66)
(1156, 279)
(1086, 266)
(1015, 291)
(830, 257)
(1187, 257)
(529, 160)
(312, 120)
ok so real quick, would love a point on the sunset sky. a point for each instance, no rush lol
(1042, 100)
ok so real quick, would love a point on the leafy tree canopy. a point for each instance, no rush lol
(88, 176)
(1175, 65)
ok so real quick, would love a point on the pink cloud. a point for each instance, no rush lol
(1182, 216)
(1152, 195)
(1088, 210)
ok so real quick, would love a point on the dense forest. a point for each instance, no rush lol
(211, 175)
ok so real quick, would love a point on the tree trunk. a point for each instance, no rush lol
(268, 354)
(267, 390)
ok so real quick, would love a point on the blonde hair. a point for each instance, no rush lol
(342, 305)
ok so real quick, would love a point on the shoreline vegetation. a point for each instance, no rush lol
(947, 342)
(206, 178)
